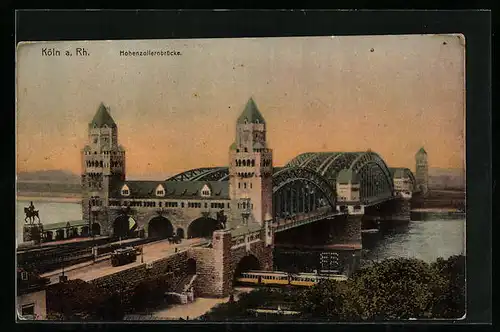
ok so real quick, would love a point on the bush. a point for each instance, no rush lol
(389, 290)
(77, 300)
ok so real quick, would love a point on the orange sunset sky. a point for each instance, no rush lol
(393, 94)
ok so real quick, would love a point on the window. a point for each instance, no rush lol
(245, 185)
(24, 275)
(206, 205)
(182, 204)
(28, 310)
(125, 190)
(250, 185)
(239, 185)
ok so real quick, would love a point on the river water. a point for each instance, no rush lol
(424, 239)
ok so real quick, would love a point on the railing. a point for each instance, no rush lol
(300, 219)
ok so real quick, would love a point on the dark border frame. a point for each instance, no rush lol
(473, 24)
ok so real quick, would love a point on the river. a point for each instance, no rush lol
(50, 212)
(424, 239)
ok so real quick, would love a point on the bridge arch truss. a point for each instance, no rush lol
(300, 190)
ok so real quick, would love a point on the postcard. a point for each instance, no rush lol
(241, 179)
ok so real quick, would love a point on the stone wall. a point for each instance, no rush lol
(260, 250)
(37, 299)
(205, 283)
(126, 280)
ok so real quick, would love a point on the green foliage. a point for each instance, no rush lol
(390, 290)
(78, 300)
(149, 293)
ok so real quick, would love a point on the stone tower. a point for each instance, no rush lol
(422, 170)
(250, 169)
(103, 161)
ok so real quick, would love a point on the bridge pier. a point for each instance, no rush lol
(346, 230)
(397, 210)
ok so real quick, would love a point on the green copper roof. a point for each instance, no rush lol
(421, 151)
(347, 176)
(251, 113)
(233, 146)
(102, 117)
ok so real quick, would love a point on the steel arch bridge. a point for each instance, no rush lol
(375, 178)
(308, 182)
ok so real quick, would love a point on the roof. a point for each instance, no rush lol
(233, 146)
(347, 176)
(421, 151)
(173, 189)
(60, 225)
(251, 113)
(102, 117)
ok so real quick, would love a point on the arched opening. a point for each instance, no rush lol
(191, 267)
(49, 236)
(120, 226)
(96, 229)
(180, 233)
(247, 263)
(60, 234)
(84, 231)
(202, 227)
(160, 227)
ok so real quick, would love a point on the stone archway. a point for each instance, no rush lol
(120, 226)
(180, 233)
(96, 229)
(191, 266)
(247, 263)
(160, 227)
(202, 227)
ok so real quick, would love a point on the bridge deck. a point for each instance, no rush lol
(151, 252)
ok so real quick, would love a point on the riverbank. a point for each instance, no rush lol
(49, 197)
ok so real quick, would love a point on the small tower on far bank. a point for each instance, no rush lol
(422, 170)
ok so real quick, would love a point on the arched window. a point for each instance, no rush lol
(246, 121)
(239, 185)
(244, 163)
(248, 162)
(253, 163)
(245, 185)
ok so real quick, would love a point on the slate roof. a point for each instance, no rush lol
(251, 113)
(398, 172)
(346, 175)
(422, 151)
(102, 117)
(173, 189)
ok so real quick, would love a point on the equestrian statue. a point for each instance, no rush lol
(31, 213)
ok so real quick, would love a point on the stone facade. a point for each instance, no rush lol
(32, 302)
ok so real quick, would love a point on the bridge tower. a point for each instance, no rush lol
(422, 170)
(103, 161)
(250, 169)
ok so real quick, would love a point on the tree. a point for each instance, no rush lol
(450, 302)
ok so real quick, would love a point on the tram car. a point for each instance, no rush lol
(123, 256)
(282, 278)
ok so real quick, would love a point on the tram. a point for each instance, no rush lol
(281, 278)
(123, 256)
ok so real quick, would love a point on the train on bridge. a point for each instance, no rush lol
(278, 278)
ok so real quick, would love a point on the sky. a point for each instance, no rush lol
(390, 94)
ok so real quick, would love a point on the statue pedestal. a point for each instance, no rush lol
(33, 232)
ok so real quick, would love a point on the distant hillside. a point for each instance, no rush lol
(446, 178)
(49, 176)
